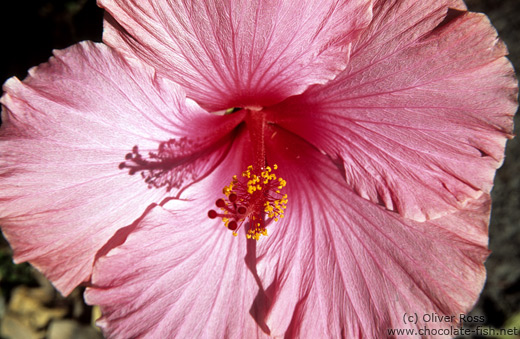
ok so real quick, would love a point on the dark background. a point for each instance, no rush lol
(31, 29)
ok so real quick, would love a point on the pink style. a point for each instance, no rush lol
(258, 168)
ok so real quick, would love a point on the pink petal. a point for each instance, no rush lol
(419, 118)
(179, 274)
(341, 266)
(238, 53)
(66, 129)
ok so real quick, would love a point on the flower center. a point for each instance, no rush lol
(254, 197)
(256, 194)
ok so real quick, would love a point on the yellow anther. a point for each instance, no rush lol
(269, 204)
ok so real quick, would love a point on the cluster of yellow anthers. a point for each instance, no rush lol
(261, 193)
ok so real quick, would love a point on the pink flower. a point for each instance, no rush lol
(373, 129)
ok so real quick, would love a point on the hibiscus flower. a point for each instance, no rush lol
(248, 169)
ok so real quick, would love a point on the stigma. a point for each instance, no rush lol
(254, 198)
